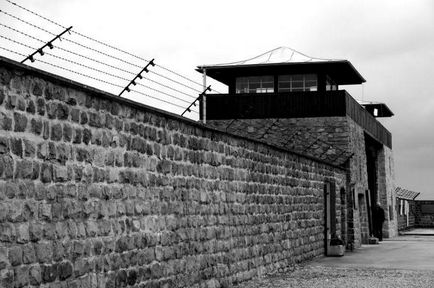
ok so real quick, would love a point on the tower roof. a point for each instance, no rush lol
(284, 60)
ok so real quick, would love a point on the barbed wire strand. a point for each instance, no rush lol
(105, 44)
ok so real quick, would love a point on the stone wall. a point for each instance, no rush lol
(386, 191)
(100, 191)
(325, 138)
(424, 213)
(359, 183)
(407, 219)
(337, 140)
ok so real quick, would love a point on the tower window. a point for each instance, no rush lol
(298, 83)
(256, 84)
(331, 85)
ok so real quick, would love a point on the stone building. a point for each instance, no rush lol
(101, 191)
(295, 103)
(406, 208)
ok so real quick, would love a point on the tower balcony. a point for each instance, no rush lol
(337, 103)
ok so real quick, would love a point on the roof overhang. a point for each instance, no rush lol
(406, 194)
(341, 71)
(378, 109)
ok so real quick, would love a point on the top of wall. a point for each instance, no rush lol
(5, 78)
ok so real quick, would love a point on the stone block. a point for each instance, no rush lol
(7, 163)
(75, 115)
(21, 276)
(24, 169)
(17, 146)
(46, 172)
(77, 135)
(5, 122)
(7, 278)
(35, 275)
(35, 231)
(83, 118)
(164, 166)
(49, 272)
(15, 255)
(22, 231)
(31, 108)
(51, 108)
(87, 136)
(4, 145)
(44, 252)
(60, 173)
(2, 97)
(40, 106)
(37, 88)
(81, 267)
(29, 148)
(65, 270)
(56, 132)
(4, 260)
(29, 255)
(62, 112)
(46, 130)
(67, 132)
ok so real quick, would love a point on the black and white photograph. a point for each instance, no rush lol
(216, 144)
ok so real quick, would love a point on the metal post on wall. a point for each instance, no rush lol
(204, 97)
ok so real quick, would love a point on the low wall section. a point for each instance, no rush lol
(424, 213)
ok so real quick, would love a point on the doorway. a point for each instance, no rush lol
(330, 213)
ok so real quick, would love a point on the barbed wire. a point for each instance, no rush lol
(94, 78)
(68, 51)
(64, 59)
(165, 77)
(98, 70)
(111, 66)
(72, 41)
(34, 13)
(159, 91)
(97, 61)
(28, 23)
(173, 104)
(103, 43)
(168, 87)
(66, 69)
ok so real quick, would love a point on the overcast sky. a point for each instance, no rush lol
(391, 43)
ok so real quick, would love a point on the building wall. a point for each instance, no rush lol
(406, 214)
(325, 138)
(339, 140)
(330, 139)
(386, 191)
(359, 182)
(424, 213)
(96, 190)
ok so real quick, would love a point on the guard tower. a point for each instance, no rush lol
(293, 101)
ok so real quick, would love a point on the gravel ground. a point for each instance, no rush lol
(311, 276)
